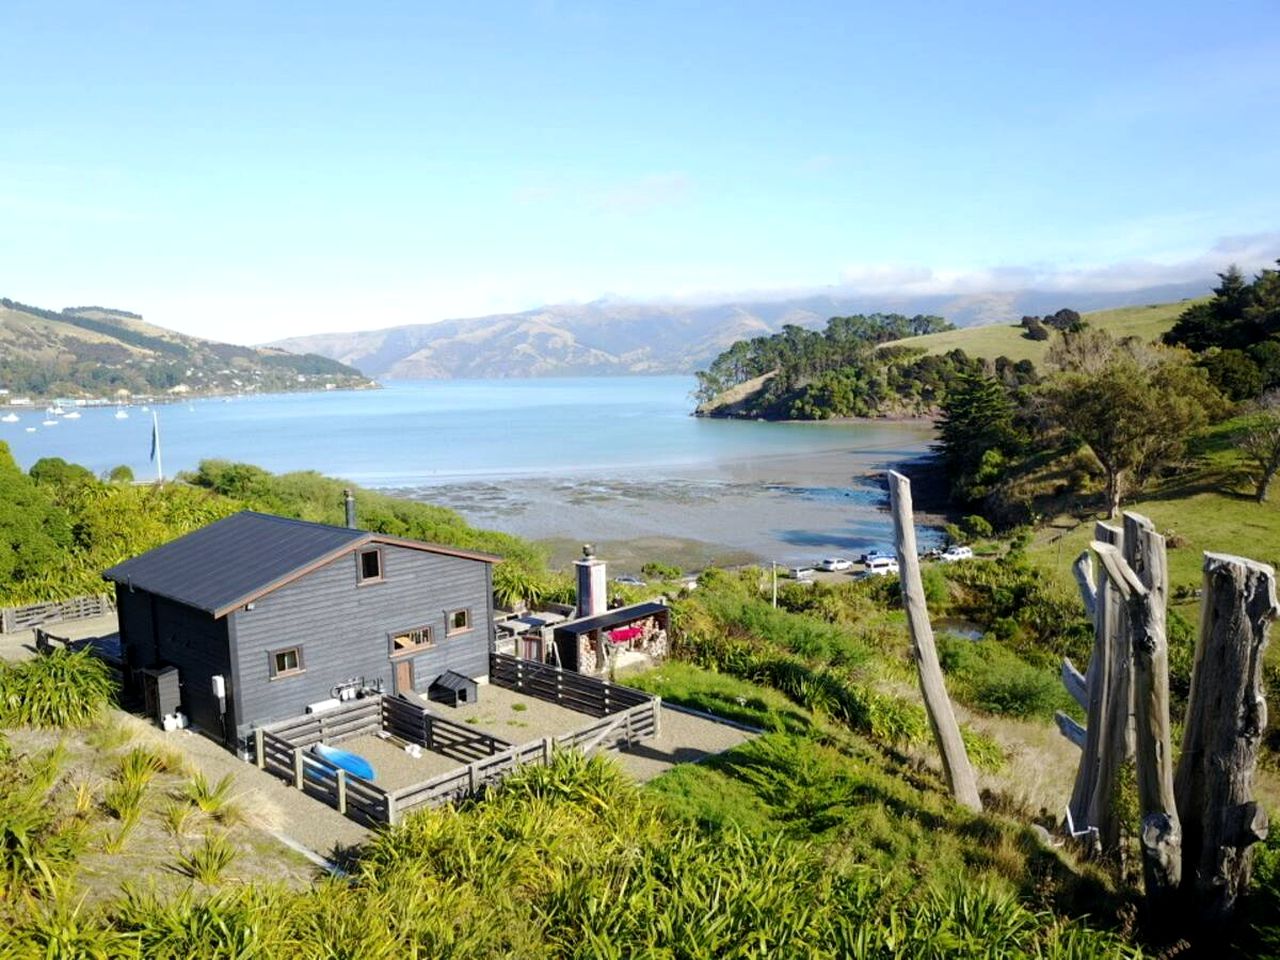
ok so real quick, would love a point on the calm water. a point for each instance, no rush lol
(536, 457)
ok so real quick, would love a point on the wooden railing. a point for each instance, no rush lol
(613, 732)
(455, 740)
(13, 619)
(589, 695)
(281, 748)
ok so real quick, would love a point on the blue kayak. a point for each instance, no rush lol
(353, 763)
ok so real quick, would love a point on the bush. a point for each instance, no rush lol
(978, 527)
(121, 474)
(988, 676)
(660, 571)
(62, 689)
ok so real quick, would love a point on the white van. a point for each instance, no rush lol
(882, 566)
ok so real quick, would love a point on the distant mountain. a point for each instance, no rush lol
(99, 352)
(607, 337)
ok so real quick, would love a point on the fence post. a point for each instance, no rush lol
(472, 782)
(297, 767)
(657, 717)
(342, 790)
(259, 749)
(548, 748)
(606, 698)
(559, 687)
(1226, 714)
(393, 814)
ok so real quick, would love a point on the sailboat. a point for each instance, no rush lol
(9, 418)
(122, 414)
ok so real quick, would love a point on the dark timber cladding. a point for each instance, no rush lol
(287, 612)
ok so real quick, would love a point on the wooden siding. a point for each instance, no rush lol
(343, 626)
(196, 644)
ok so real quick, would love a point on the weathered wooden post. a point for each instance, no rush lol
(1116, 739)
(342, 790)
(1226, 714)
(955, 761)
(297, 767)
(1141, 577)
(1090, 691)
(259, 748)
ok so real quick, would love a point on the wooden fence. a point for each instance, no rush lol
(13, 619)
(589, 695)
(281, 749)
(455, 740)
(613, 732)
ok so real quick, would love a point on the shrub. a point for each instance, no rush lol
(207, 862)
(978, 527)
(209, 798)
(62, 689)
(660, 571)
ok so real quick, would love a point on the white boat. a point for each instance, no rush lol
(73, 415)
(50, 423)
(9, 418)
(122, 415)
(31, 429)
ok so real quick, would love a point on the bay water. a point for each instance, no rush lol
(608, 459)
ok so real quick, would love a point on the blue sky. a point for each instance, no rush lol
(252, 170)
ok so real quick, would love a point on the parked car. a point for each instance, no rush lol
(955, 554)
(800, 573)
(867, 558)
(835, 564)
(882, 566)
(630, 581)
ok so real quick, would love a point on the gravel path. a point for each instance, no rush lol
(684, 738)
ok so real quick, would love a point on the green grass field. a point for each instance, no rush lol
(997, 340)
(1206, 505)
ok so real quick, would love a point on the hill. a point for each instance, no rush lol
(1010, 340)
(617, 337)
(100, 352)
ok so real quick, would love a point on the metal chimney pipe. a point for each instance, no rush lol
(350, 503)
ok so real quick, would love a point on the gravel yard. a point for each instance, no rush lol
(513, 717)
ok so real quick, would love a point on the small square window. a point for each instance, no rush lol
(286, 662)
(370, 565)
(459, 620)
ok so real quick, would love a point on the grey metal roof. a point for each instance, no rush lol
(227, 562)
(613, 618)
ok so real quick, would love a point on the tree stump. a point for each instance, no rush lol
(1226, 714)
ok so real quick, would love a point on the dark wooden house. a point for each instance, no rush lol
(264, 617)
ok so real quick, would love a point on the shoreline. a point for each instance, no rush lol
(790, 507)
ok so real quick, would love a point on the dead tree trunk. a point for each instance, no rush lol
(942, 719)
(1226, 714)
(1161, 836)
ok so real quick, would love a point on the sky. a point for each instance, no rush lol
(253, 170)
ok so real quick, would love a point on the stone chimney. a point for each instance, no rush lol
(593, 584)
(350, 502)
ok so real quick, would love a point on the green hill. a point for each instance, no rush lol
(98, 352)
(1009, 340)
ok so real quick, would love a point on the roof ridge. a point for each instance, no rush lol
(303, 523)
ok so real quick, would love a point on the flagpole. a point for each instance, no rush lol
(155, 435)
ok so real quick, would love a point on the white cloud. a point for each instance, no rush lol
(645, 193)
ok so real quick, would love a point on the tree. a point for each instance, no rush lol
(1220, 322)
(121, 474)
(33, 531)
(1133, 407)
(57, 471)
(977, 432)
(1260, 443)
(1234, 373)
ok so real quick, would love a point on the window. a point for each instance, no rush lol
(459, 620)
(370, 565)
(411, 641)
(286, 662)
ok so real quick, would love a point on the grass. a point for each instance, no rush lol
(1207, 505)
(995, 340)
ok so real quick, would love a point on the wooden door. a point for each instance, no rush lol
(404, 677)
